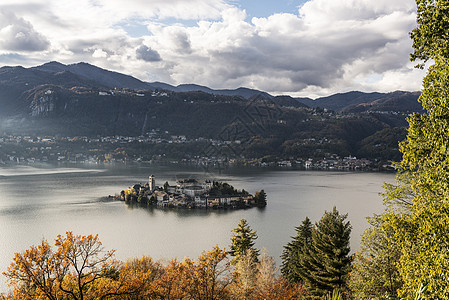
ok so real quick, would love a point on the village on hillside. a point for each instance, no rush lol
(192, 193)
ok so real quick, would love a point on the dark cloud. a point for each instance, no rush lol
(147, 54)
(19, 35)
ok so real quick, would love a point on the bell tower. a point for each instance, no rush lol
(152, 183)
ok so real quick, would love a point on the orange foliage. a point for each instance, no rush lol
(79, 268)
(280, 290)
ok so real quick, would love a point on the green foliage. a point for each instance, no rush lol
(225, 189)
(374, 274)
(294, 266)
(430, 37)
(242, 241)
(261, 198)
(319, 256)
(335, 295)
(420, 230)
(329, 255)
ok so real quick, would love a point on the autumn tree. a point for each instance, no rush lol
(74, 270)
(259, 280)
(170, 284)
(130, 195)
(420, 231)
(33, 273)
(245, 275)
(242, 241)
(210, 276)
(281, 289)
(266, 272)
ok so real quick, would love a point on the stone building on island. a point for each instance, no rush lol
(191, 193)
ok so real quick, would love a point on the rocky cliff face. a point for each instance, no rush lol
(43, 105)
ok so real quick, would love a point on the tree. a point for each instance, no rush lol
(166, 185)
(142, 198)
(79, 268)
(430, 37)
(210, 276)
(243, 241)
(130, 195)
(374, 274)
(245, 275)
(328, 260)
(170, 284)
(261, 198)
(420, 230)
(293, 261)
(266, 272)
(281, 290)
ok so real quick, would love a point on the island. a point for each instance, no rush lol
(192, 193)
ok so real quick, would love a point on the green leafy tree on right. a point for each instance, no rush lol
(419, 224)
(374, 274)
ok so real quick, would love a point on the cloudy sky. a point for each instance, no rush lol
(297, 47)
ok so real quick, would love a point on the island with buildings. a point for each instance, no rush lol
(192, 193)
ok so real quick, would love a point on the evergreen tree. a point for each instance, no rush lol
(293, 263)
(166, 185)
(243, 241)
(328, 260)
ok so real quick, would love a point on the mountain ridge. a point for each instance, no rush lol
(112, 79)
(82, 100)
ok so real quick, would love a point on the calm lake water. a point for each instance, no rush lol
(40, 203)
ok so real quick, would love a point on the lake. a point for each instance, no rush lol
(41, 202)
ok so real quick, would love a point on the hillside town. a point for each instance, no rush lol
(27, 149)
(191, 193)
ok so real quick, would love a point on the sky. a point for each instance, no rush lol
(306, 48)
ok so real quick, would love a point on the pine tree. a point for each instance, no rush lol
(243, 241)
(293, 263)
(328, 259)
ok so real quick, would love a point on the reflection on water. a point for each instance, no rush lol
(40, 203)
(185, 212)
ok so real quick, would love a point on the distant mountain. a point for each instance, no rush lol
(242, 92)
(112, 80)
(80, 100)
(16, 81)
(100, 76)
(395, 101)
(359, 102)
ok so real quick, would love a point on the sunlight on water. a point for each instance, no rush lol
(27, 170)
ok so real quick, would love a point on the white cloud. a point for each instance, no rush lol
(329, 46)
(16, 34)
(99, 53)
